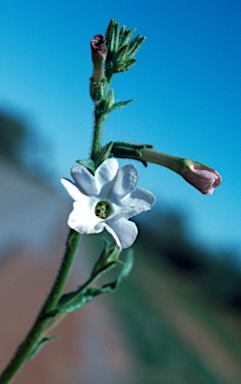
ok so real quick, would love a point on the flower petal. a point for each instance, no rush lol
(105, 176)
(72, 190)
(123, 231)
(82, 218)
(125, 182)
(136, 202)
(84, 180)
(118, 188)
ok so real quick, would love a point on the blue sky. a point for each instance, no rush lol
(186, 85)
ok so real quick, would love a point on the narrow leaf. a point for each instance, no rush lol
(110, 99)
(109, 257)
(40, 344)
(126, 36)
(135, 45)
(73, 301)
(110, 37)
(116, 37)
(120, 104)
(122, 52)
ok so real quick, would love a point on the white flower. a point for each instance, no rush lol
(107, 200)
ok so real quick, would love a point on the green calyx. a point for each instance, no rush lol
(121, 48)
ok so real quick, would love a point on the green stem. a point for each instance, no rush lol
(96, 143)
(36, 333)
(99, 115)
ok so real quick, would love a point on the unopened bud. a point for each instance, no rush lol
(203, 178)
(99, 52)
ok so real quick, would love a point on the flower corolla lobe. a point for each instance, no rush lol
(107, 200)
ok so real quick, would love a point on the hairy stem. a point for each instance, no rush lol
(97, 135)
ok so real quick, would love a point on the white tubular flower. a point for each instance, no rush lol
(107, 200)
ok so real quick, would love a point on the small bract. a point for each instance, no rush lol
(107, 200)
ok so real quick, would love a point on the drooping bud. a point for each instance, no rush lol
(203, 178)
(99, 52)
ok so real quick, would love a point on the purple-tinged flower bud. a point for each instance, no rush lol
(99, 52)
(203, 178)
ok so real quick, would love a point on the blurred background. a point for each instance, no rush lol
(176, 319)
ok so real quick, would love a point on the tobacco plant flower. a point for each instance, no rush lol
(107, 200)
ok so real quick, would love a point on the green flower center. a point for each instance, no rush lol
(102, 209)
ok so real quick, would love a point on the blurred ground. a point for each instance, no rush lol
(209, 331)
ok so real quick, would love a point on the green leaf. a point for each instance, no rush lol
(116, 37)
(122, 52)
(109, 258)
(124, 65)
(125, 36)
(135, 45)
(110, 99)
(120, 104)
(110, 37)
(88, 295)
(129, 63)
(75, 300)
(120, 49)
(127, 266)
(40, 344)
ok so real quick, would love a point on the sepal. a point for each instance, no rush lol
(125, 35)
(89, 164)
(121, 49)
(131, 150)
(97, 89)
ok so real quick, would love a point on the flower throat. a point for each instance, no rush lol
(103, 209)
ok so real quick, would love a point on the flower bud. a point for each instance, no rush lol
(99, 52)
(203, 178)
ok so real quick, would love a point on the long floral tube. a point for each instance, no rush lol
(201, 177)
